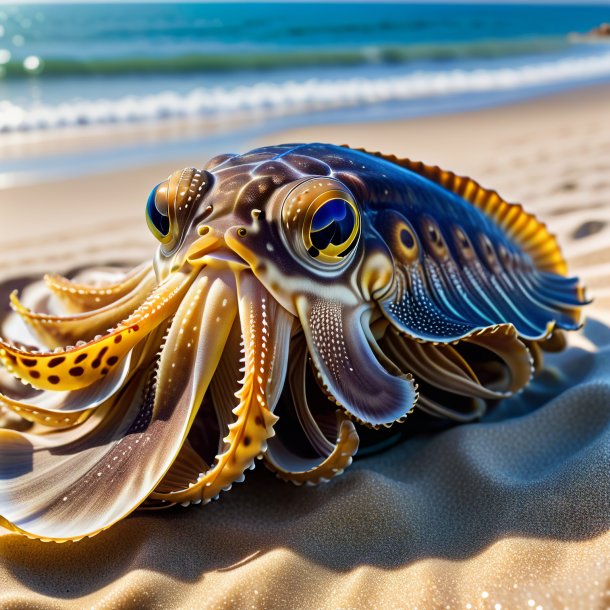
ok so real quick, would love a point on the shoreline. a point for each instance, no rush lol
(110, 146)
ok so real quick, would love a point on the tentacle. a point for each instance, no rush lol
(514, 358)
(301, 451)
(185, 470)
(448, 387)
(264, 324)
(65, 409)
(77, 367)
(457, 381)
(77, 297)
(347, 367)
(556, 342)
(78, 482)
(438, 364)
(12, 421)
(14, 328)
(62, 330)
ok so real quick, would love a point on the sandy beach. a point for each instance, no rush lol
(512, 512)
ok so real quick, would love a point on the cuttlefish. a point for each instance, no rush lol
(297, 292)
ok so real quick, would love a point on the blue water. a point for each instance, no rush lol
(270, 64)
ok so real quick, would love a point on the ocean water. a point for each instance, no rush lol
(275, 64)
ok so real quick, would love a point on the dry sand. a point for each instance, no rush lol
(512, 512)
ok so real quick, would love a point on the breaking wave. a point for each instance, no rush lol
(299, 97)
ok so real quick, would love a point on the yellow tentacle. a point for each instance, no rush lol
(58, 331)
(334, 464)
(77, 367)
(78, 297)
(254, 421)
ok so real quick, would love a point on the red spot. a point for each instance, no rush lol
(54, 379)
(34, 374)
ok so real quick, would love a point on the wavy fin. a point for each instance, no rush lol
(525, 229)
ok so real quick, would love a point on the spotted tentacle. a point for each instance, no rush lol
(78, 482)
(74, 368)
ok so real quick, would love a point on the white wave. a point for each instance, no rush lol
(291, 97)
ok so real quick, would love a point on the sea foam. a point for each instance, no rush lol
(267, 99)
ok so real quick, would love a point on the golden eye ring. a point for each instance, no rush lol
(331, 226)
(406, 240)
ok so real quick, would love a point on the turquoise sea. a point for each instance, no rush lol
(77, 65)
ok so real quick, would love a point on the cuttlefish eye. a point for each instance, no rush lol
(322, 220)
(157, 215)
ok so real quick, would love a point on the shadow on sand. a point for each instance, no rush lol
(536, 467)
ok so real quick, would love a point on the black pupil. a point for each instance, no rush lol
(160, 221)
(332, 224)
(407, 239)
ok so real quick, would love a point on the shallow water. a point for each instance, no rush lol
(66, 65)
(247, 69)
